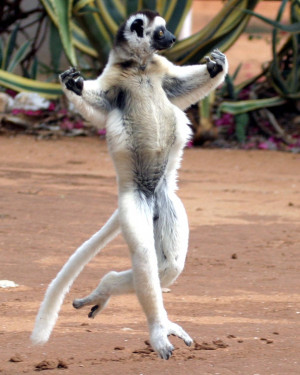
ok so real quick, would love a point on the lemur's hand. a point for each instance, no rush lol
(216, 65)
(73, 81)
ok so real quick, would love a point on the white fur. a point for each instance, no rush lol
(56, 291)
(145, 139)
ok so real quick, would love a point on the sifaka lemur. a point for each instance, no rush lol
(141, 97)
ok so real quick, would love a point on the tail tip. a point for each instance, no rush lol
(37, 338)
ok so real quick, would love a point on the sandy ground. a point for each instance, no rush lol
(238, 296)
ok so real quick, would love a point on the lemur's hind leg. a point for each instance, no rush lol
(171, 242)
(164, 221)
(136, 218)
(113, 283)
(171, 234)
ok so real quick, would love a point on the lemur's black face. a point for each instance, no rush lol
(145, 32)
(162, 38)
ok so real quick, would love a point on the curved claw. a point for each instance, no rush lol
(167, 353)
(178, 331)
(72, 80)
(159, 338)
(93, 311)
(67, 73)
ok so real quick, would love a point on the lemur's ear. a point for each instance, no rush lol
(137, 26)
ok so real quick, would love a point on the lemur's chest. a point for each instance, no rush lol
(144, 123)
(147, 113)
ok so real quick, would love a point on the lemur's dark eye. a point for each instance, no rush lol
(161, 33)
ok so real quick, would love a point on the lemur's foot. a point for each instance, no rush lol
(216, 65)
(159, 338)
(100, 302)
(73, 81)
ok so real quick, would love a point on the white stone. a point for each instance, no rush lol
(6, 102)
(8, 284)
(30, 101)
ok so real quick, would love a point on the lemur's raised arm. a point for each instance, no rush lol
(87, 96)
(186, 85)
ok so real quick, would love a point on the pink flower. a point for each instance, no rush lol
(78, 125)
(51, 106)
(102, 132)
(67, 125)
(11, 93)
(63, 111)
(16, 111)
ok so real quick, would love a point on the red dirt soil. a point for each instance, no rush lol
(238, 296)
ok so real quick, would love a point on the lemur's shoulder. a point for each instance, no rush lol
(161, 65)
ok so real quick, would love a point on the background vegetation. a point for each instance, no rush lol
(258, 112)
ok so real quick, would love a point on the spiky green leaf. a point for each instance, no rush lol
(10, 45)
(244, 106)
(220, 33)
(18, 56)
(21, 84)
(292, 28)
(60, 13)
(241, 123)
(34, 68)
(55, 47)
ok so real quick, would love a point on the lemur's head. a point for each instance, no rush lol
(144, 33)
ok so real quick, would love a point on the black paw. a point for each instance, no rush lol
(73, 81)
(93, 311)
(216, 65)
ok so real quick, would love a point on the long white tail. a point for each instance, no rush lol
(58, 288)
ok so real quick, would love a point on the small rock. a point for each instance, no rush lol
(16, 358)
(220, 344)
(119, 348)
(6, 102)
(234, 256)
(8, 284)
(143, 351)
(231, 336)
(30, 102)
(46, 364)
(204, 346)
(62, 364)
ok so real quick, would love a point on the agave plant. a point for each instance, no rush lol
(283, 72)
(281, 76)
(85, 29)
